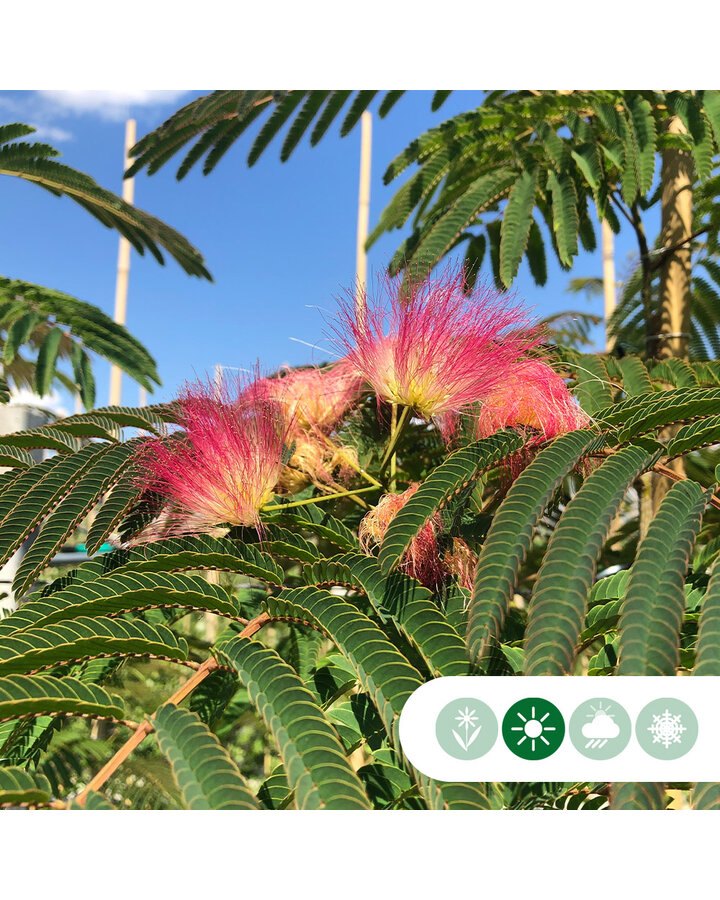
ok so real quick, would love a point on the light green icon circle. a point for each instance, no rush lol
(666, 728)
(533, 728)
(600, 728)
(466, 728)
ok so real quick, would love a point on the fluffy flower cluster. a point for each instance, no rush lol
(314, 401)
(423, 559)
(426, 346)
(534, 397)
(224, 467)
(431, 347)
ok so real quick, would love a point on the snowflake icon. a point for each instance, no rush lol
(667, 729)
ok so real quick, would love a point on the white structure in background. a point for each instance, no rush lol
(18, 417)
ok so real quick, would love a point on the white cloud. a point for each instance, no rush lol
(114, 105)
(50, 133)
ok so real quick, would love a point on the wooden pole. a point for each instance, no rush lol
(608, 255)
(676, 178)
(363, 209)
(672, 337)
(123, 266)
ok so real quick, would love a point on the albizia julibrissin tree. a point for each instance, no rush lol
(451, 495)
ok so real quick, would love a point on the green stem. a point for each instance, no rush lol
(359, 469)
(281, 506)
(395, 435)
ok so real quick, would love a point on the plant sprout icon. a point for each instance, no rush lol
(601, 729)
(533, 729)
(469, 720)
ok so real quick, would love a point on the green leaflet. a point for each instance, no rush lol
(707, 654)
(404, 600)
(322, 524)
(94, 480)
(559, 599)
(456, 472)
(22, 511)
(275, 792)
(706, 795)
(47, 361)
(694, 436)
(43, 647)
(634, 375)
(121, 497)
(516, 224)
(46, 437)
(509, 537)
(638, 795)
(93, 801)
(205, 774)
(655, 600)
(118, 593)
(441, 234)
(18, 786)
(26, 695)
(389, 787)
(382, 670)
(676, 372)
(278, 117)
(645, 412)
(454, 794)
(15, 457)
(593, 389)
(314, 100)
(644, 130)
(283, 542)
(312, 755)
(565, 220)
(204, 552)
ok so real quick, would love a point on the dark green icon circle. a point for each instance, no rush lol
(600, 728)
(466, 728)
(666, 728)
(533, 728)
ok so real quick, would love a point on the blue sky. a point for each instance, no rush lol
(278, 238)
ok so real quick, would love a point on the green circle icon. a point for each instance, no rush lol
(466, 728)
(533, 728)
(666, 728)
(600, 728)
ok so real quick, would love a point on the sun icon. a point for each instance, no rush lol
(533, 728)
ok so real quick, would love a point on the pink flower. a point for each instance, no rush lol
(224, 467)
(428, 346)
(534, 397)
(316, 399)
(422, 558)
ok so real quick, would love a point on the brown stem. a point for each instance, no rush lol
(146, 727)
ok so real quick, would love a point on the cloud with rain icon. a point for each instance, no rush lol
(601, 729)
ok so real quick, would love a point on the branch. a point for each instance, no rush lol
(659, 255)
(146, 727)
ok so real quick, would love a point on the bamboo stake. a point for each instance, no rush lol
(146, 727)
(608, 254)
(363, 219)
(675, 271)
(123, 266)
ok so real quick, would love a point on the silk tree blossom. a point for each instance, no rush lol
(422, 559)
(534, 397)
(223, 467)
(429, 346)
(316, 399)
